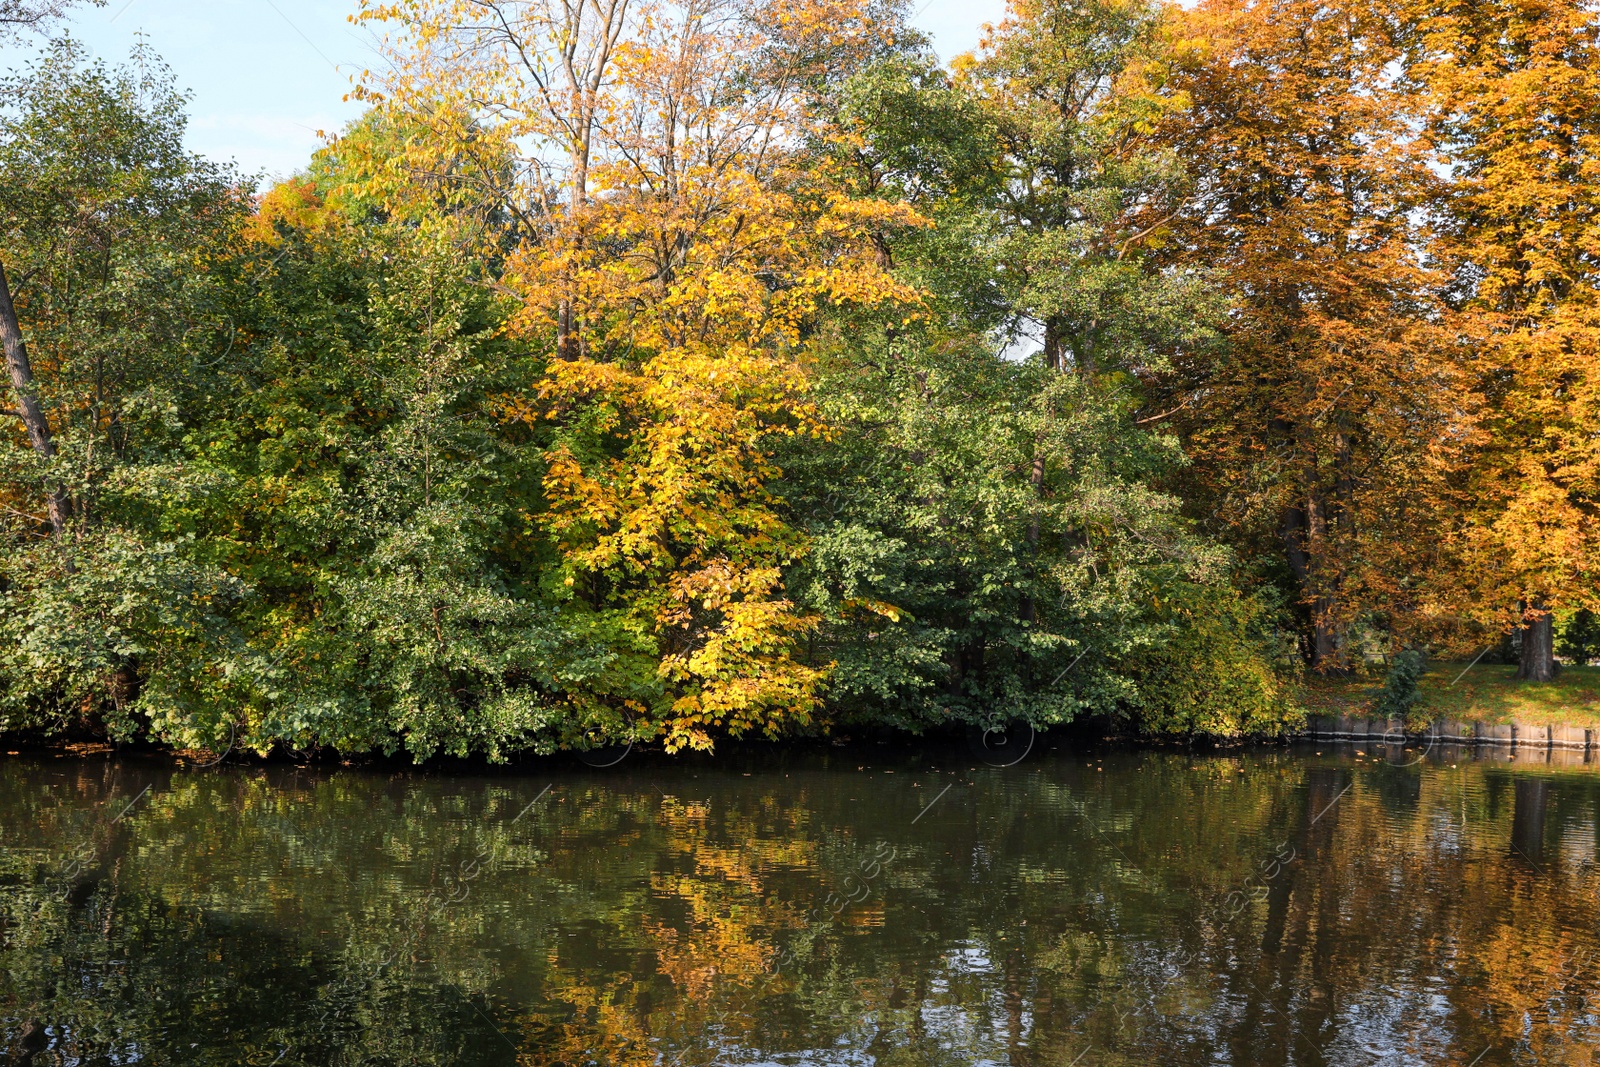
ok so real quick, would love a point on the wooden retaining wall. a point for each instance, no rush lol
(1454, 731)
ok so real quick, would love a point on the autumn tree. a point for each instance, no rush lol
(1322, 432)
(676, 285)
(442, 174)
(540, 72)
(1512, 92)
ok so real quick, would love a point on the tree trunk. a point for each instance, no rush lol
(1322, 644)
(1538, 643)
(1528, 820)
(1326, 656)
(1057, 347)
(1055, 356)
(28, 409)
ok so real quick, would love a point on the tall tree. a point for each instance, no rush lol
(16, 18)
(1322, 432)
(365, 491)
(108, 310)
(1080, 187)
(677, 288)
(1513, 94)
(1081, 183)
(988, 543)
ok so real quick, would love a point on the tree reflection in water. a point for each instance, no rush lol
(1139, 907)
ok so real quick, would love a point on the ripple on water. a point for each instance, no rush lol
(1331, 904)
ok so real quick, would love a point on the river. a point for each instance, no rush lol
(893, 904)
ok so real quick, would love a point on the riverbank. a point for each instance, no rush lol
(1484, 693)
(1461, 702)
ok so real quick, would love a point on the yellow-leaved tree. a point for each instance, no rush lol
(1513, 106)
(676, 234)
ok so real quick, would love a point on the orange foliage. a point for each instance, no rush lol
(1513, 91)
(1328, 428)
(292, 204)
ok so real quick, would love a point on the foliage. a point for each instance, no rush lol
(1579, 640)
(1324, 433)
(111, 235)
(388, 166)
(657, 501)
(697, 245)
(293, 512)
(1401, 690)
(378, 508)
(678, 372)
(19, 16)
(1512, 92)
(956, 584)
(1081, 188)
(987, 541)
(1216, 671)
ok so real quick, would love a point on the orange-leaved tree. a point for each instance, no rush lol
(1324, 431)
(1513, 94)
(677, 234)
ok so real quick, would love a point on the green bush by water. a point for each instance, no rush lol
(1401, 687)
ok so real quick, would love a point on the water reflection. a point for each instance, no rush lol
(1527, 821)
(837, 907)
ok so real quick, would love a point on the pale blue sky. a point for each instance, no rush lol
(266, 75)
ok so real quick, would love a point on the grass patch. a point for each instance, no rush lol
(1489, 692)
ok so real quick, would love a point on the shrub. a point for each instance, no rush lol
(1401, 692)
(1580, 637)
(1217, 672)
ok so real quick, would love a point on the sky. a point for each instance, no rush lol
(265, 76)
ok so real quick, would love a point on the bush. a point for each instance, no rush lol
(1216, 673)
(1401, 692)
(1580, 637)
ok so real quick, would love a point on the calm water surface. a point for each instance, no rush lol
(877, 904)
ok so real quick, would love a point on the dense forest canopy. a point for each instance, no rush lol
(669, 372)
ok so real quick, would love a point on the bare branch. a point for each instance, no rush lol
(36, 16)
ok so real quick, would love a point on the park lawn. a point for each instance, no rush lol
(1487, 692)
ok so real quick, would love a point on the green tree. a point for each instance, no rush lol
(1580, 637)
(381, 514)
(1080, 188)
(287, 511)
(987, 541)
(112, 323)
